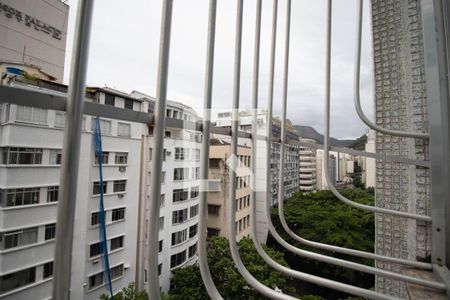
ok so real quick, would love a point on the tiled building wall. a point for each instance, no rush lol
(400, 104)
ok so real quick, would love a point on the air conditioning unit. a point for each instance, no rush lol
(120, 195)
(96, 261)
(122, 168)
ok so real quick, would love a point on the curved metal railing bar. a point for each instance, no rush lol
(71, 153)
(308, 254)
(357, 100)
(296, 274)
(160, 123)
(327, 146)
(204, 163)
(266, 291)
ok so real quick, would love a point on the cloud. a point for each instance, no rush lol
(125, 44)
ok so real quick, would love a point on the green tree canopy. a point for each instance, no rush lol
(321, 217)
(188, 285)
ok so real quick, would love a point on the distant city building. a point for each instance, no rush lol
(308, 176)
(291, 172)
(218, 202)
(322, 183)
(369, 163)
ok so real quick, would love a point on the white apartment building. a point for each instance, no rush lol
(291, 174)
(369, 174)
(322, 183)
(308, 176)
(31, 142)
(179, 196)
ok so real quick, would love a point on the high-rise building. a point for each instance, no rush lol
(291, 173)
(34, 33)
(308, 176)
(400, 104)
(218, 203)
(31, 142)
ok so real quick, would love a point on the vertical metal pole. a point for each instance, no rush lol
(159, 127)
(233, 165)
(284, 106)
(71, 153)
(204, 163)
(270, 104)
(255, 115)
(436, 71)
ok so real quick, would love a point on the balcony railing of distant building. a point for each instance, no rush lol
(435, 17)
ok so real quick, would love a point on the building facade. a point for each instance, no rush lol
(400, 104)
(31, 141)
(34, 33)
(218, 202)
(308, 173)
(291, 172)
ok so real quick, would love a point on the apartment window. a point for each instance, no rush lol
(150, 154)
(50, 231)
(116, 243)
(95, 249)
(105, 158)
(164, 154)
(18, 238)
(95, 280)
(213, 209)
(55, 157)
(179, 216)
(159, 269)
(169, 113)
(214, 163)
(128, 104)
(124, 129)
(195, 191)
(167, 134)
(119, 186)
(196, 154)
(193, 211)
(179, 237)
(48, 270)
(96, 189)
(121, 158)
(31, 115)
(213, 232)
(162, 200)
(105, 126)
(161, 223)
(163, 177)
(192, 250)
(180, 195)
(160, 246)
(110, 99)
(181, 153)
(175, 114)
(52, 193)
(60, 120)
(19, 197)
(180, 173)
(118, 214)
(195, 173)
(95, 218)
(22, 156)
(193, 230)
(18, 279)
(177, 259)
(116, 271)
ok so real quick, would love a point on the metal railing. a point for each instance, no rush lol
(435, 14)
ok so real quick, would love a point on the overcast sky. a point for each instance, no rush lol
(124, 54)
